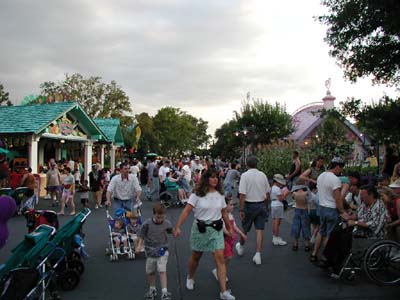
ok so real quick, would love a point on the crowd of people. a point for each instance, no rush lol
(321, 197)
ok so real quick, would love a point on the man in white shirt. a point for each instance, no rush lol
(254, 190)
(162, 174)
(330, 201)
(186, 177)
(123, 188)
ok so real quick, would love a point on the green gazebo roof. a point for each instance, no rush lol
(36, 118)
(112, 129)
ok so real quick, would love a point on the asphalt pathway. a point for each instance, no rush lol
(283, 274)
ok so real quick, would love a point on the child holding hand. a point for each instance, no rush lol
(229, 240)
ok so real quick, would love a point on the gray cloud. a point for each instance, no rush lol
(188, 54)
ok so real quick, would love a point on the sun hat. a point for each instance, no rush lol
(299, 187)
(395, 184)
(279, 178)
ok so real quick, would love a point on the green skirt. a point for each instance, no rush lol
(208, 241)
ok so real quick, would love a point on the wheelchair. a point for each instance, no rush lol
(378, 259)
(171, 198)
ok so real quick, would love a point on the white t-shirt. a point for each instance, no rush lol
(207, 208)
(327, 182)
(134, 170)
(124, 189)
(254, 184)
(163, 172)
(187, 173)
(275, 193)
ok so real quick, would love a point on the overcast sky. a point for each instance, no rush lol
(202, 56)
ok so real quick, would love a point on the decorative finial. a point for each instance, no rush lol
(328, 84)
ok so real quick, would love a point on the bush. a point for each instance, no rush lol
(277, 158)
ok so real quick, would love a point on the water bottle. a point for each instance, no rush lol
(162, 251)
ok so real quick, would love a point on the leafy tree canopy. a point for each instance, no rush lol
(380, 120)
(179, 132)
(365, 38)
(148, 141)
(267, 122)
(4, 97)
(227, 144)
(98, 99)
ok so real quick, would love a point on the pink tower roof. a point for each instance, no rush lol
(304, 118)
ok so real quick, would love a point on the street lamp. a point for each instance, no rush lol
(244, 132)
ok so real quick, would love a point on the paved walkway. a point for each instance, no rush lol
(284, 274)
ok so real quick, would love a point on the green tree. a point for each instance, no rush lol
(380, 120)
(331, 136)
(178, 132)
(364, 36)
(4, 96)
(148, 141)
(265, 122)
(227, 145)
(98, 99)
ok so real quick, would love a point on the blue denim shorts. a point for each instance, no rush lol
(328, 218)
(301, 223)
(254, 212)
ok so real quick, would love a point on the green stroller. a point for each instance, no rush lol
(21, 265)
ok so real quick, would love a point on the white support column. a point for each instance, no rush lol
(33, 153)
(58, 152)
(88, 158)
(41, 155)
(112, 157)
(102, 146)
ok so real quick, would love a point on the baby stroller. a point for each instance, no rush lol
(35, 218)
(112, 251)
(20, 198)
(378, 259)
(70, 265)
(19, 273)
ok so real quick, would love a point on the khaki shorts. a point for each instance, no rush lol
(159, 264)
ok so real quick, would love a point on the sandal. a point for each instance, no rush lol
(313, 258)
(307, 248)
(295, 247)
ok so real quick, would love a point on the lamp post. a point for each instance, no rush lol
(243, 132)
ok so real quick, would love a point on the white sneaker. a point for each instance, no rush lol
(189, 284)
(257, 258)
(226, 295)
(239, 249)
(277, 241)
(118, 251)
(281, 242)
(214, 272)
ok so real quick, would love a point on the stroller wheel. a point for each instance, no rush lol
(351, 276)
(111, 257)
(108, 251)
(74, 255)
(68, 280)
(76, 265)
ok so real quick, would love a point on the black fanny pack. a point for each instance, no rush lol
(217, 225)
